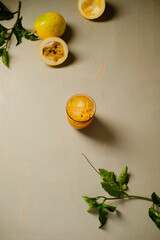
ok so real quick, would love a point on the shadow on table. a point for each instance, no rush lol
(110, 12)
(101, 131)
(70, 59)
(68, 34)
(111, 217)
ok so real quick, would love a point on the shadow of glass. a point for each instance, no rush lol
(110, 12)
(100, 131)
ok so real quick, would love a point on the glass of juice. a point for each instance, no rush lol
(80, 110)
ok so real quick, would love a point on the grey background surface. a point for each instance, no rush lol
(42, 171)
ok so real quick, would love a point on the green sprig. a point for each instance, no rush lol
(6, 34)
(116, 188)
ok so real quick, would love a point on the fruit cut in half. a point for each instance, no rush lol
(91, 9)
(53, 51)
(50, 24)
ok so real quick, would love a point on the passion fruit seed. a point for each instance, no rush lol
(54, 52)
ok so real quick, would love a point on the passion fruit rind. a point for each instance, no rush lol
(91, 9)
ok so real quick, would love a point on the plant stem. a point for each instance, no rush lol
(114, 198)
(18, 11)
(8, 39)
(90, 163)
(12, 29)
(123, 197)
(139, 197)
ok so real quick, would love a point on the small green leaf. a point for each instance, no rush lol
(27, 34)
(102, 216)
(93, 205)
(5, 58)
(109, 207)
(20, 31)
(123, 179)
(124, 187)
(89, 199)
(156, 212)
(155, 216)
(4, 55)
(5, 13)
(155, 198)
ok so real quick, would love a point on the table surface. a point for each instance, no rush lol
(43, 173)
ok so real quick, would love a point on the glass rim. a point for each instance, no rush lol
(85, 95)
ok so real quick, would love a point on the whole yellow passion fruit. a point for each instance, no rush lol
(50, 24)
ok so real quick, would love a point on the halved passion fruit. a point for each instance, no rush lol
(91, 9)
(53, 51)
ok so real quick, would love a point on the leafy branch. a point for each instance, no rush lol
(6, 34)
(116, 188)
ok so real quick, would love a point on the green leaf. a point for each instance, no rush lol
(111, 188)
(5, 58)
(109, 207)
(155, 198)
(2, 41)
(123, 179)
(105, 175)
(93, 205)
(102, 216)
(109, 184)
(4, 55)
(1, 52)
(3, 32)
(89, 199)
(27, 34)
(20, 31)
(155, 216)
(5, 13)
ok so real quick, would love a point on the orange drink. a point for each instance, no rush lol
(80, 111)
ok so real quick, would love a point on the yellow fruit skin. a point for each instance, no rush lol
(50, 24)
